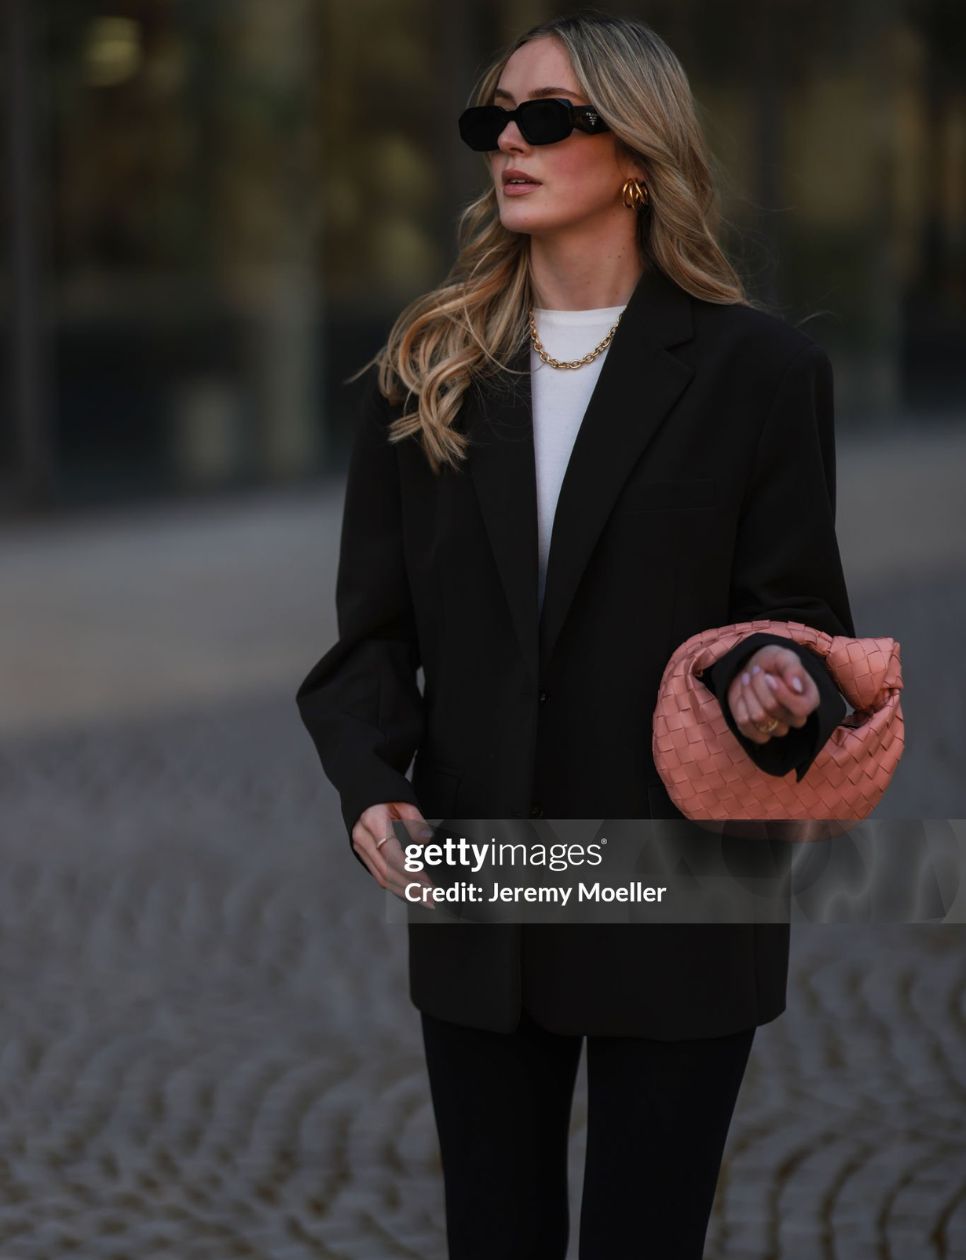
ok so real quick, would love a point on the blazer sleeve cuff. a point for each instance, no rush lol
(799, 748)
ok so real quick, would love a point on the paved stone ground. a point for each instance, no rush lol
(206, 1045)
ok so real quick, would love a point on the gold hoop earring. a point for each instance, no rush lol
(634, 194)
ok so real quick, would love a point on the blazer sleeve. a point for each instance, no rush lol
(787, 564)
(360, 702)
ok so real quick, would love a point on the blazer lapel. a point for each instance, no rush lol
(503, 468)
(637, 387)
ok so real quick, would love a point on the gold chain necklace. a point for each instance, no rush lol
(572, 363)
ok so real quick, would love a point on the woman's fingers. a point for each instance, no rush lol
(372, 822)
(792, 707)
(792, 686)
(754, 705)
(762, 686)
(750, 714)
(766, 690)
(415, 830)
(386, 861)
(398, 877)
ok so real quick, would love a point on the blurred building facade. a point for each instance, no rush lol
(215, 208)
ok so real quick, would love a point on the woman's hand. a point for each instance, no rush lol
(385, 861)
(772, 684)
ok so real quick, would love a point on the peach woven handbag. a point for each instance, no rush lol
(708, 775)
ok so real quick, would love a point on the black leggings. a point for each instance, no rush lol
(657, 1118)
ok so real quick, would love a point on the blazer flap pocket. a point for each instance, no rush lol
(436, 786)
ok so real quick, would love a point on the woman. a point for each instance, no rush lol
(677, 441)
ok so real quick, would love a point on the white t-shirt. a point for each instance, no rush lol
(560, 397)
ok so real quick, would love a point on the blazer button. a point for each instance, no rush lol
(536, 810)
(543, 697)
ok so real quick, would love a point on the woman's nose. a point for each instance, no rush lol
(511, 137)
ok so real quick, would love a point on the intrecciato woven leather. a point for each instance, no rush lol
(708, 775)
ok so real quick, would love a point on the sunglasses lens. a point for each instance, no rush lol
(544, 122)
(480, 126)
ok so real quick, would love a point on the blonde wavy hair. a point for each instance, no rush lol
(472, 325)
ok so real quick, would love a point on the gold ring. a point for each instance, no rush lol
(380, 843)
(766, 730)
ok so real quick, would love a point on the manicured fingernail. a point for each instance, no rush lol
(798, 684)
(756, 669)
(746, 678)
(772, 682)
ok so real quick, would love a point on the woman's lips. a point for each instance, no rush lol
(515, 190)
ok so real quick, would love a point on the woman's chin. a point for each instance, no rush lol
(516, 220)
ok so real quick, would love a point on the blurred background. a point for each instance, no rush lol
(212, 212)
(215, 207)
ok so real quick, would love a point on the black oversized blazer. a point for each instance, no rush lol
(700, 492)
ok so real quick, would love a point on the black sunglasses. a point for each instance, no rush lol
(542, 121)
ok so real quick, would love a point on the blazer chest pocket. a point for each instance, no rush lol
(686, 495)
